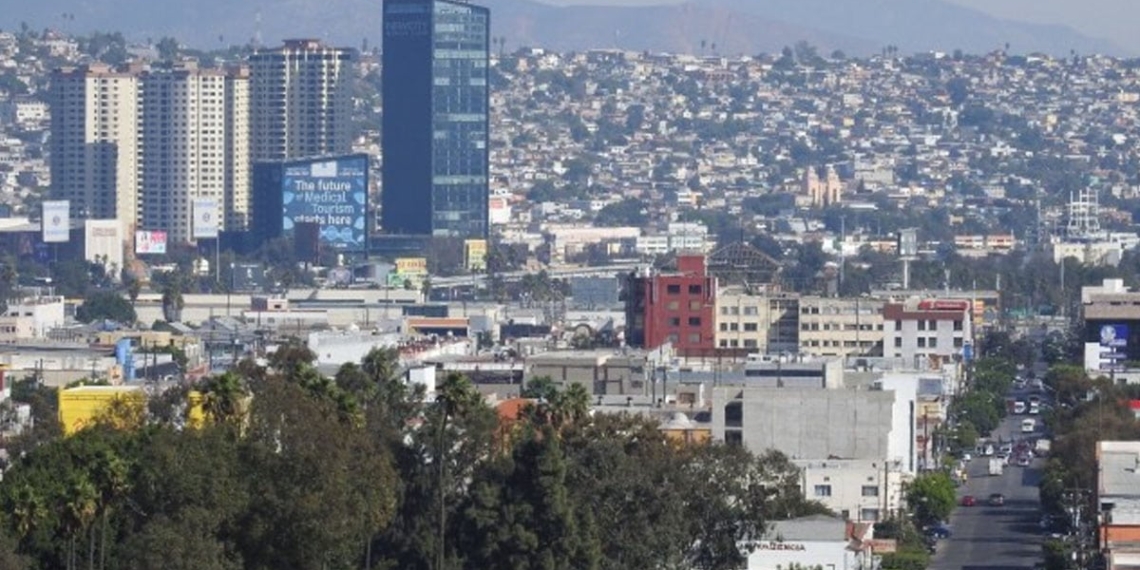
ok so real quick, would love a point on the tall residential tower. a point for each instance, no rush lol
(301, 100)
(195, 144)
(94, 142)
(436, 125)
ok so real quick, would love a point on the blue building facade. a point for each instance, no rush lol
(329, 191)
(436, 118)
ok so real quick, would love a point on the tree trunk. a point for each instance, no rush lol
(91, 547)
(103, 543)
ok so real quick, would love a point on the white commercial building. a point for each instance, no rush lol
(195, 145)
(301, 100)
(927, 333)
(31, 318)
(813, 542)
(857, 489)
(94, 141)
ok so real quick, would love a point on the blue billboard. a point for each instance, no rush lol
(331, 193)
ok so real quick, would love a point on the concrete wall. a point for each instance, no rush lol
(811, 423)
(863, 489)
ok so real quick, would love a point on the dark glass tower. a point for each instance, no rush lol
(436, 99)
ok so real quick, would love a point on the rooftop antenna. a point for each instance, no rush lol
(257, 29)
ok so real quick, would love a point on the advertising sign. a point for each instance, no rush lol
(475, 254)
(411, 266)
(205, 211)
(332, 194)
(150, 242)
(1115, 336)
(56, 221)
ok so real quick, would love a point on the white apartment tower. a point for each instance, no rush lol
(194, 144)
(94, 141)
(301, 100)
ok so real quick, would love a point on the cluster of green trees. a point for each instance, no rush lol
(1086, 410)
(291, 469)
(981, 409)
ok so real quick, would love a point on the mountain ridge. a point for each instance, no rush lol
(858, 27)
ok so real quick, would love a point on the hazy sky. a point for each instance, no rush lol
(1113, 20)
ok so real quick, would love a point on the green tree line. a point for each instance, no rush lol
(293, 469)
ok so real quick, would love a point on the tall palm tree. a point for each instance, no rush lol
(79, 508)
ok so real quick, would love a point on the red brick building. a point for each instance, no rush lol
(675, 306)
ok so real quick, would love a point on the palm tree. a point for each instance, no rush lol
(576, 401)
(381, 364)
(222, 397)
(80, 506)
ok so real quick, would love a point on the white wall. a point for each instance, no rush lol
(831, 555)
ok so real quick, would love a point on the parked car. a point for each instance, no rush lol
(997, 500)
(938, 531)
(968, 501)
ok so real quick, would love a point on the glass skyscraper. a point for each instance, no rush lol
(436, 99)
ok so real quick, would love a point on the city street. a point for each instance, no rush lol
(986, 537)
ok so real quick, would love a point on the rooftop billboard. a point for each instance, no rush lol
(332, 194)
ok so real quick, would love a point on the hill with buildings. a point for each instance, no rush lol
(734, 26)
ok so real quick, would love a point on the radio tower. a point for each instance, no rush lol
(1084, 215)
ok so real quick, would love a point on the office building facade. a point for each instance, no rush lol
(94, 142)
(301, 100)
(436, 118)
(195, 145)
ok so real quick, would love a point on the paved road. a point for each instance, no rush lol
(995, 538)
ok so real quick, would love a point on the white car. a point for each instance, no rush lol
(967, 457)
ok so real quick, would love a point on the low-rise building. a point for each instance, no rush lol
(927, 332)
(1118, 502)
(856, 489)
(601, 372)
(817, 541)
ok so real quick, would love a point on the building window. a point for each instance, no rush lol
(723, 343)
(695, 305)
(898, 325)
(921, 325)
(898, 342)
(695, 338)
(674, 321)
(749, 343)
(932, 325)
(694, 321)
(957, 343)
(751, 311)
(869, 514)
(734, 326)
(921, 341)
(958, 325)
(673, 289)
(694, 289)
(724, 310)
(823, 490)
(749, 327)
(672, 306)
(870, 490)
(932, 342)
(724, 327)
(673, 338)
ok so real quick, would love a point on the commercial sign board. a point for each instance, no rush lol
(475, 254)
(332, 194)
(56, 221)
(411, 266)
(150, 242)
(205, 218)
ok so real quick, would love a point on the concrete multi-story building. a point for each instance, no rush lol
(94, 142)
(839, 326)
(301, 100)
(31, 318)
(673, 306)
(817, 423)
(856, 489)
(194, 145)
(1118, 502)
(1111, 314)
(759, 323)
(927, 332)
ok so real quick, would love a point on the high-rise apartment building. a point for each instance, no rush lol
(436, 127)
(94, 142)
(194, 145)
(301, 100)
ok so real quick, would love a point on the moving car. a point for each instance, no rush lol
(1028, 426)
(997, 500)
(938, 531)
(1023, 461)
(968, 501)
